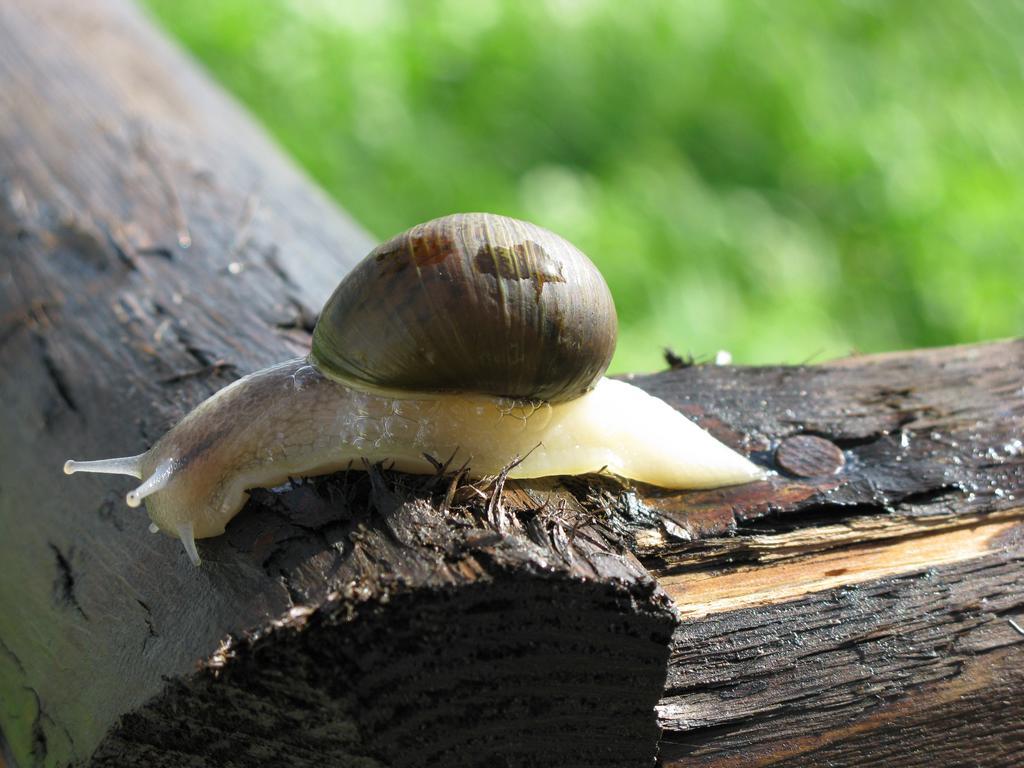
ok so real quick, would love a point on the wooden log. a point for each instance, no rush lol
(866, 605)
(154, 246)
(862, 605)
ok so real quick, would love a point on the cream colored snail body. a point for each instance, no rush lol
(473, 336)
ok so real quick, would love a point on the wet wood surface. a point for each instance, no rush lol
(872, 613)
(863, 605)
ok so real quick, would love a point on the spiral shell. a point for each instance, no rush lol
(470, 302)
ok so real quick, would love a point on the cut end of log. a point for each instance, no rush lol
(514, 670)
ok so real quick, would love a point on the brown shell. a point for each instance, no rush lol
(474, 302)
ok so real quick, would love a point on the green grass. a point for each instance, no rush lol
(781, 179)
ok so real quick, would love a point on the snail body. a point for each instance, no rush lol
(468, 301)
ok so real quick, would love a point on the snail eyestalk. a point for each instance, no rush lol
(157, 481)
(125, 465)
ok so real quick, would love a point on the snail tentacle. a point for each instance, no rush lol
(125, 465)
(158, 480)
(188, 539)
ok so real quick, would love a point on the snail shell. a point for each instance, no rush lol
(475, 337)
(473, 302)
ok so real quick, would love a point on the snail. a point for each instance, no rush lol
(473, 336)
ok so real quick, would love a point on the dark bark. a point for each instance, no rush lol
(863, 605)
(869, 614)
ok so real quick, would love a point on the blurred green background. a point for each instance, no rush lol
(786, 180)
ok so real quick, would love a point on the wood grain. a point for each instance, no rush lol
(700, 593)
